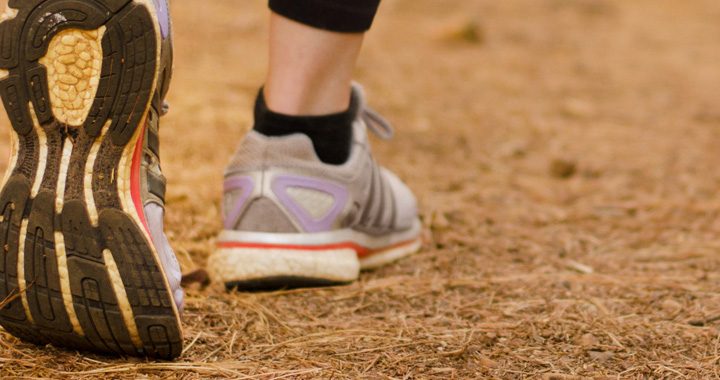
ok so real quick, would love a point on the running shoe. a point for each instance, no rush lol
(293, 221)
(85, 263)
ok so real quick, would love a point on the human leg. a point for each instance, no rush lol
(293, 217)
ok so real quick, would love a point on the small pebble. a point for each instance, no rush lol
(563, 169)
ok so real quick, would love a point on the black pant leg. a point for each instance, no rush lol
(346, 16)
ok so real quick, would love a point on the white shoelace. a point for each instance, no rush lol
(380, 126)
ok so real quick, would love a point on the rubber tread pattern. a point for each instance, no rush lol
(127, 79)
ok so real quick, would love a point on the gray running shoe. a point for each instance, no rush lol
(294, 221)
(86, 264)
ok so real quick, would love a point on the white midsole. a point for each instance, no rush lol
(391, 255)
(284, 254)
(242, 264)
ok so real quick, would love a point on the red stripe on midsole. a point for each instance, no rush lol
(360, 250)
(135, 171)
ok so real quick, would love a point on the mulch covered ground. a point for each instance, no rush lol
(565, 154)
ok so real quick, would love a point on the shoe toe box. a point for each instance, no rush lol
(406, 209)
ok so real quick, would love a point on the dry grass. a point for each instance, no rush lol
(566, 162)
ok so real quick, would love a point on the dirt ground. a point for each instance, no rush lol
(565, 154)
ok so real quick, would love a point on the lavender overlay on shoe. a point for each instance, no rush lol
(163, 16)
(282, 183)
(246, 184)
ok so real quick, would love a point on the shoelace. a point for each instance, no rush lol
(377, 124)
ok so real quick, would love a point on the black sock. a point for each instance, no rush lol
(331, 135)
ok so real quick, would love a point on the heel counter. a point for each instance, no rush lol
(267, 201)
(245, 208)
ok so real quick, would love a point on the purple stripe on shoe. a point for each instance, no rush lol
(280, 186)
(163, 17)
(246, 184)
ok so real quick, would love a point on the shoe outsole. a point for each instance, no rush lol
(280, 283)
(77, 268)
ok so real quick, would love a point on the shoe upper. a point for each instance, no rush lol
(153, 182)
(279, 185)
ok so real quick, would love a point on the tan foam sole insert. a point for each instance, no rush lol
(74, 63)
(8, 14)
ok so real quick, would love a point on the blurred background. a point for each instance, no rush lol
(565, 154)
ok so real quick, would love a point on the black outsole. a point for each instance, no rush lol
(127, 78)
(280, 283)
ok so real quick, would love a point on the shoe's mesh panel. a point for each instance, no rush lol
(249, 153)
(316, 203)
